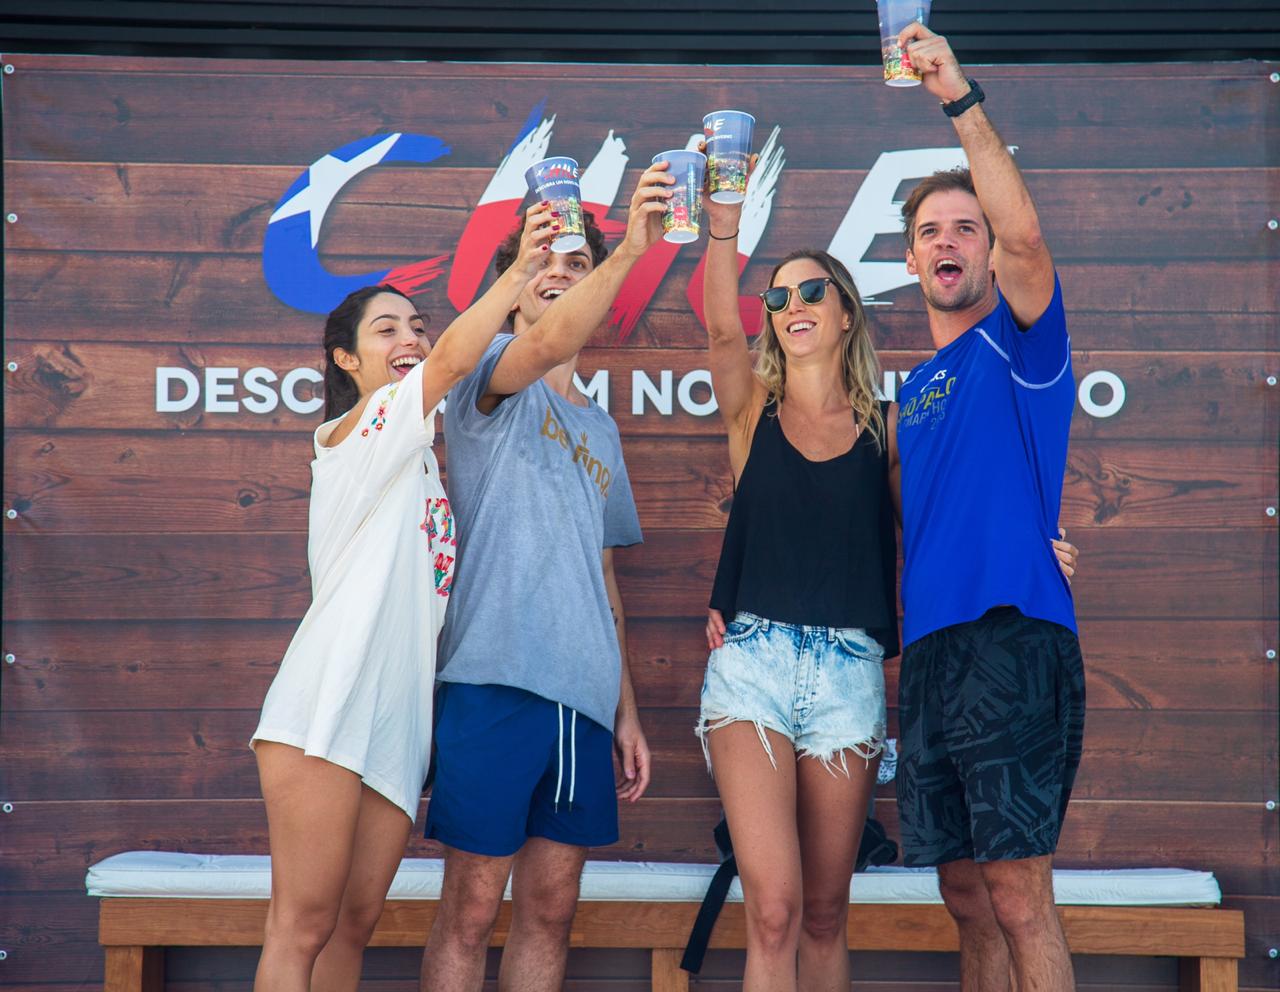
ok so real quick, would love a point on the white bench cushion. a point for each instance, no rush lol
(239, 876)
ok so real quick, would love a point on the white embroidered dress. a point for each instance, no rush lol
(355, 686)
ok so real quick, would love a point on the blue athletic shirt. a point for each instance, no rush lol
(982, 437)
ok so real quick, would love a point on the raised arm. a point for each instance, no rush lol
(1024, 267)
(463, 342)
(732, 377)
(564, 329)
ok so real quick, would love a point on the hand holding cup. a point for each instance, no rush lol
(648, 204)
(683, 218)
(540, 227)
(937, 64)
(722, 219)
(895, 16)
(727, 138)
(556, 181)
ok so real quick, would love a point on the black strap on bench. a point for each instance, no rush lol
(712, 902)
(875, 849)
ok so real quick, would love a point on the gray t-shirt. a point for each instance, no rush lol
(539, 489)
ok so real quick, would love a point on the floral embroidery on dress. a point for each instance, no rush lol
(380, 417)
(442, 541)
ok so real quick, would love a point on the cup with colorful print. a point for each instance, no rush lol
(556, 180)
(894, 16)
(728, 135)
(683, 217)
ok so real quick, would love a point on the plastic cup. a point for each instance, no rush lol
(556, 179)
(683, 217)
(728, 134)
(894, 16)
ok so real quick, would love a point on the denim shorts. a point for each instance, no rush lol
(820, 687)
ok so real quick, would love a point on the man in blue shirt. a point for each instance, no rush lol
(991, 700)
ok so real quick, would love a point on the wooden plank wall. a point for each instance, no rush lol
(156, 567)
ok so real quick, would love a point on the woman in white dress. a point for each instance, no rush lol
(345, 733)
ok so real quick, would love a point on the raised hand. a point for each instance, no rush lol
(932, 57)
(721, 219)
(535, 239)
(648, 203)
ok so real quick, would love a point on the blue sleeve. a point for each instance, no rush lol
(466, 393)
(621, 522)
(1041, 354)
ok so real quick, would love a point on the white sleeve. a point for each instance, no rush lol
(391, 431)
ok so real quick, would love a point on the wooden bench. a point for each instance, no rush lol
(135, 931)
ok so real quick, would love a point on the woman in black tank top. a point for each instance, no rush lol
(804, 606)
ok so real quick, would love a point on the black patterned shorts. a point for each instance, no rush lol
(991, 716)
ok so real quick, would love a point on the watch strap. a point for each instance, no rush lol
(957, 107)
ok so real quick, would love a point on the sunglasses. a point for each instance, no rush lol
(812, 291)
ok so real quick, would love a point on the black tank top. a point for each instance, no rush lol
(812, 542)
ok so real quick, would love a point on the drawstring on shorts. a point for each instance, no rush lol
(573, 753)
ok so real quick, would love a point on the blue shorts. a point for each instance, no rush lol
(511, 765)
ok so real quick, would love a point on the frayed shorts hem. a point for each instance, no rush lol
(866, 748)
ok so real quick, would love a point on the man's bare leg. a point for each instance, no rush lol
(469, 902)
(544, 897)
(984, 952)
(1022, 897)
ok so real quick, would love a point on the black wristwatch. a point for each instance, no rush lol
(957, 107)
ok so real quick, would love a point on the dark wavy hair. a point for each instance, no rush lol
(341, 331)
(510, 248)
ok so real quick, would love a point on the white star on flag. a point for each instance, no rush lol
(326, 176)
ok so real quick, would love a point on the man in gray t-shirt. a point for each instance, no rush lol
(535, 693)
(538, 488)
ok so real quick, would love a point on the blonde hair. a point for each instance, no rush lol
(858, 359)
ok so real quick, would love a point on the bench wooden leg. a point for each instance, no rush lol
(134, 969)
(1209, 974)
(668, 976)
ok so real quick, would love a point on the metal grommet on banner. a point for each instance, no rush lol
(11, 218)
(1271, 654)
(12, 366)
(1271, 511)
(1271, 804)
(10, 659)
(1273, 224)
(1271, 380)
(8, 69)
(6, 808)
(11, 514)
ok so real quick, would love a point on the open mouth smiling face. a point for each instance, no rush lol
(948, 271)
(392, 341)
(811, 316)
(401, 365)
(559, 274)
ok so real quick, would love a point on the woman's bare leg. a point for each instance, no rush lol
(760, 804)
(381, 835)
(312, 810)
(831, 810)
